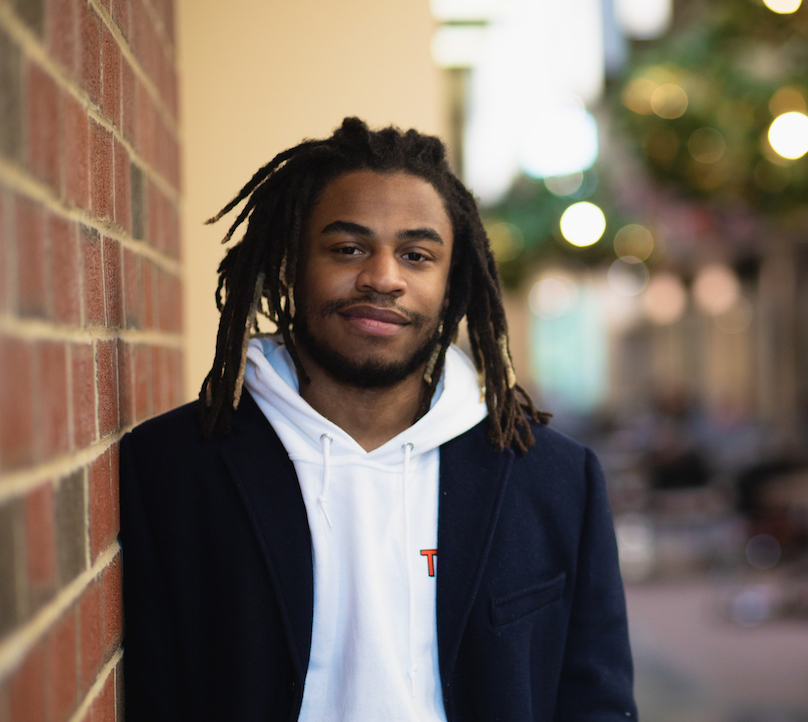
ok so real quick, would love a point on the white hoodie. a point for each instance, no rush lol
(373, 518)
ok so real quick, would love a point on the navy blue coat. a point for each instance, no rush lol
(218, 582)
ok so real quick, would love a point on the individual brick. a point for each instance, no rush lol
(83, 373)
(128, 102)
(113, 288)
(107, 369)
(159, 380)
(52, 417)
(113, 609)
(65, 271)
(62, 674)
(126, 383)
(101, 190)
(43, 126)
(61, 32)
(31, 254)
(123, 191)
(16, 403)
(11, 578)
(155, 220)
(32, 13)
(103, 708)
(11, 136)
(172, 221)
(138, 206)
(70, 527)
(143, 36)
(91, 634)
(77, 152)
(40, 538)
(132, 290)
(148, 281)
(89, 51)
(143, 381)
(92, 277)
(170, 303)
(27, 688)
(110, 77)
(146, 125)
(114, 485)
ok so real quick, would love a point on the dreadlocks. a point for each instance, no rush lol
(257, 275)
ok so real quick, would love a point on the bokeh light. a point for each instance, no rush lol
(628, 276)
(669, 101)
(788, 135)
(634, 240)
(706, 145)
(716, 289)
(507, 240)
(763, 551)
(737, 319)
(564, 185)
(553, 297)
(785, 100)
(560, 141)
(665, 298)
(644, 19)
(783, 7)
(582, 224)
(637, 95)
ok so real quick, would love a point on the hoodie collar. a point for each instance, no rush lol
(271, 378)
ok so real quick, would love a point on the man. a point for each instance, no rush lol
(379, 529)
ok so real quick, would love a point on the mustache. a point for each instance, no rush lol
(380, 301)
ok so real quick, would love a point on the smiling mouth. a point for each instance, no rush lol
(374, 320)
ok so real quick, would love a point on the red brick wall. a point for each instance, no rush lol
(89, 328)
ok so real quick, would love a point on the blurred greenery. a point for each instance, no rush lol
(731, 59)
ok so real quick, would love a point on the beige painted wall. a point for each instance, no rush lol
(259, 76)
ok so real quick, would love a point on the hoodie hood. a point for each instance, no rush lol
(271, 378)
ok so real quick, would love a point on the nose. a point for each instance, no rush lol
(381, 273)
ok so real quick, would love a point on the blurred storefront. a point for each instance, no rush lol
(644, 175)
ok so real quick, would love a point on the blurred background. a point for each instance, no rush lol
(642, 170)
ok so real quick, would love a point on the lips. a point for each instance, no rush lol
(374, 320)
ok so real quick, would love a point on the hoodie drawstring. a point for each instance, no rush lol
(326, 441)
(413, 668)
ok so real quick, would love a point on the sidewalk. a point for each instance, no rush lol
(694, 665)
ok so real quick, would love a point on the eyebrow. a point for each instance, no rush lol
(356, 229)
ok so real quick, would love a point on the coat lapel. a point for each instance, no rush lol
(266, 480)
(473, 477)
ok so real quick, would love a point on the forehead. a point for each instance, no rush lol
(399, 199)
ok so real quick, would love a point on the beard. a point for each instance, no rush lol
(368, 373)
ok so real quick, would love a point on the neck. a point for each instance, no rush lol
(370, 416)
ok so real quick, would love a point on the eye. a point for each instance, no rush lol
(348, 250)
(414, 256)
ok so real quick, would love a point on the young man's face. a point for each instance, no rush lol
(372, 282)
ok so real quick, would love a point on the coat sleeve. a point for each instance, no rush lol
(596, 680)
(150, 660)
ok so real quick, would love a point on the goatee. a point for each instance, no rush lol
(370, 373)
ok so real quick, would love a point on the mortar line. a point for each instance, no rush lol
(97, 687)
(35, 49)
(19, 181)
(15, 646)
